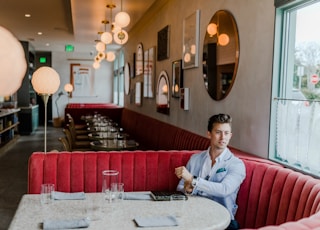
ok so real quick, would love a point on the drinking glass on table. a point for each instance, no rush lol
(118, 190)
(109, 177)
(46, 191)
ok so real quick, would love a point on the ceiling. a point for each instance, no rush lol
(75, 22)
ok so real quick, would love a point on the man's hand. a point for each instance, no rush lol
(182, 172)
(188, 188)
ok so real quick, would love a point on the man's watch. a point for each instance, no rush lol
(194, 181)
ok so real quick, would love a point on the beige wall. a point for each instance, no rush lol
(249, 100)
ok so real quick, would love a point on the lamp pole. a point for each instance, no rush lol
(45, 98)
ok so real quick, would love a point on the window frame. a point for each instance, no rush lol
(282, 58)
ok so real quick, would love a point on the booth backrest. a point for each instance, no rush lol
(150, 133)
(272, 195)
(269, 195)
(82, 171)
(77, 110)
(153, 134)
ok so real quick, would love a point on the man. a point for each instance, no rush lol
(215, 173)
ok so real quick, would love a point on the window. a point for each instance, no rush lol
(295, 120)
(118, 79)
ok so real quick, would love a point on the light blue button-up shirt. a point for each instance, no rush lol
(221, 182)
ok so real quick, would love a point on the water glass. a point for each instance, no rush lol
(109, 177)
(46, 190)
(118, 190)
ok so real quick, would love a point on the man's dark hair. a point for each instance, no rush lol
(219, 118)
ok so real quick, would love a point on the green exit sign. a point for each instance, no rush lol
(69, 48)
(43, 60)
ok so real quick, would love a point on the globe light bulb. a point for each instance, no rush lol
(106, 37)
(223, 39)
(122, 19)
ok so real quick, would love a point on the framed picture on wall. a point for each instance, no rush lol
(138, 94)
(190, 52)
(148, 73)
(82, 79)
(163, 44)
(177, 78)
(139, 60)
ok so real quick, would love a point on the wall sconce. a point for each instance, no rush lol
(13, 64)
(68, 88)
(45, 82)
(165, 89)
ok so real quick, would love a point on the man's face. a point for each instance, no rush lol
(220, 135)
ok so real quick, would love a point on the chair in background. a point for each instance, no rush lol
(76, 144)
(65, 143)
(80, 128)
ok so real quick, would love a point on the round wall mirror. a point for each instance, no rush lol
(220, 54)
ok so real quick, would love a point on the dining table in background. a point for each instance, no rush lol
(195, 213)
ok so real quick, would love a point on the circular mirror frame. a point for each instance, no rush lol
(220, 54)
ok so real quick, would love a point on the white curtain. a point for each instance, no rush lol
(298, 133)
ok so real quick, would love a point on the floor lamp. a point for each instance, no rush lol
(68, 88)
(45, 82)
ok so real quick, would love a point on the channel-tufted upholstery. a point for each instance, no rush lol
(271, 195)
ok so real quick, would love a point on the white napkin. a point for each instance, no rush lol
(136, 196)
(63, 224)
(156, 221)
(68, 196)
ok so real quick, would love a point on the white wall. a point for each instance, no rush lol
(103, 86)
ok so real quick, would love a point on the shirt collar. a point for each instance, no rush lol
(220, 157)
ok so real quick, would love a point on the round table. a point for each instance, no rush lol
(195, 213)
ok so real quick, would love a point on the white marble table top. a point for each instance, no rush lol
(195, 213)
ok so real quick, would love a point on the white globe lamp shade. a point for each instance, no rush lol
(122, 19)
(45, 80)
(223, 39)
(110, 56)
(121, 37)
(106, 37)
(100, 47)
(212, 29)
(68, 87)
(13, 64)
(96, 65)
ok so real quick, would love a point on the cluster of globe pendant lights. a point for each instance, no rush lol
(116, 34)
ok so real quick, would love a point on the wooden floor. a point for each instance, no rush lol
(14, 165)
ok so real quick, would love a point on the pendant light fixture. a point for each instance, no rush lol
(122, 18)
